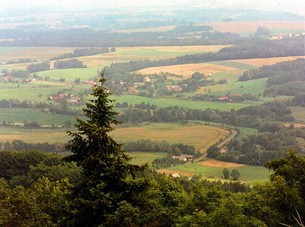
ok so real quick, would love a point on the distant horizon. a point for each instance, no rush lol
(66, 5)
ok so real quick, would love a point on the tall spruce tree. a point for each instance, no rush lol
(109, 178)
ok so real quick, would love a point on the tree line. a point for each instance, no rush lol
(85, 52)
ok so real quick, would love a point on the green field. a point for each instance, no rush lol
(234, 64)
(243, 132)
(164, 102)
(249, 174)
(70, 74)
(23, 115)
(140, 158)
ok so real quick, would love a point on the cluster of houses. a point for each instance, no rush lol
(282, 36)
(184, 157)
(71, 99)
(228, 97)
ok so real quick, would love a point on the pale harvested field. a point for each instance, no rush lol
(35, 136)
(182, 173)
(201, 136)
(186, 70)
(215, 163)
(241, 27)
(258, 62)
(35, 53)
(201, 48)
(296, 125)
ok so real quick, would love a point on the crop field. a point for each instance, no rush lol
(298, 113)
(212, 170)
(201, 136)
(250, 27)
(34, 53)
(258, 62)
(186, 70)
(140, 158)
(34, 135)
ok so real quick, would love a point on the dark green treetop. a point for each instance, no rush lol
(108, 175)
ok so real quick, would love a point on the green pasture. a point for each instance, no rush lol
(34, 94)
(243, 132)
(38, 91)
(140, 158)
(70, 74)
(249, 174)
(254, 87)
(169, 101)
(233, 64)
(23, 115)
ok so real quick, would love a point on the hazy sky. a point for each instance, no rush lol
(294, 6)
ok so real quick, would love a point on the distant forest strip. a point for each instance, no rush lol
(254, 48)
(87, 37)
(84, 52)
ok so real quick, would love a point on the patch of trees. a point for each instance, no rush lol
(234, 174)
(72, 63)
(231, 97)
(44, 66)
(251, 116)
(14, 103)
(87, 37)
(31, 124)
(85, 52)
(259, 148)
(16, 73)
(279, 73)
(14, 163)
(285, 78)
(298, 100)
(21, 60)
(161, 146)
(19, 145)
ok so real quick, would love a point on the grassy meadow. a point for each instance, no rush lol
(212, 170)
(141, 158)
